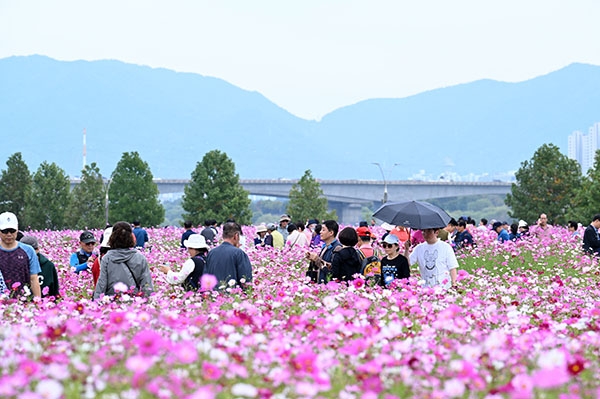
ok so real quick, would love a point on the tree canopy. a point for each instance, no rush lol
(586, 202)
(15, 186)
(132, 193)
(215, 192)
(307, 200)
(88, 200)
(545, 184)
(49, 198)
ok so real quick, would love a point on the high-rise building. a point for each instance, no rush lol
(583, 147)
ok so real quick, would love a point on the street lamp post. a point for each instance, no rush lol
(385, 192)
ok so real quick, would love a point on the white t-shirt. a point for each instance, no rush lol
(435, 262)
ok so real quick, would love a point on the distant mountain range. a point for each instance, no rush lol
(485, 128)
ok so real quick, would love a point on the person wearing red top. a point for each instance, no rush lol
(401, 233)
(364, 241)
(104, 247)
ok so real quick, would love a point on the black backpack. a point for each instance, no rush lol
(370, 266)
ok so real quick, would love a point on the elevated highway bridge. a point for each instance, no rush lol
(347, 197)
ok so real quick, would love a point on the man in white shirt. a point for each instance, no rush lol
(436, 259)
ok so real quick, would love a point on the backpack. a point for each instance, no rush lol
(370, 266)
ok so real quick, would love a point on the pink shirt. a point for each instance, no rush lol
(540, 232)
(367, 250)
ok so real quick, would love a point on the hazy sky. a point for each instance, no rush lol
(312, 56)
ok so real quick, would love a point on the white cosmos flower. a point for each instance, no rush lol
(245, 390)
(120, 287)
(49, 389)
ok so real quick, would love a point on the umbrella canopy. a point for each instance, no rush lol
(414, 214)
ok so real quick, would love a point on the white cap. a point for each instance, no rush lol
(8, 220)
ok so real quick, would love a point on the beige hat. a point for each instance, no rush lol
(261, 229)
(196, 241)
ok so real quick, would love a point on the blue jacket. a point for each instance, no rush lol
(503, 236)
(141, 237)
(79, 260)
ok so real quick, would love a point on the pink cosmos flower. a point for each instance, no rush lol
(138, 364)
(208, 282)
(358, 283)
(149, 342)
(29, 367)
(117, 318)
(185, 352)
(211, 371)
(205, 392)
(305, 362)
(523, 386)
(551, 377)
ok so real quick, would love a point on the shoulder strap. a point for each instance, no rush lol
(361, 254)
(137, 285)
(295, 241)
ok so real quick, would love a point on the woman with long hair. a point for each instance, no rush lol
(123, 264)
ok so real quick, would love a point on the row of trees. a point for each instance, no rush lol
(44, 200)
(214, 192)
(549, 183)
(553, 184)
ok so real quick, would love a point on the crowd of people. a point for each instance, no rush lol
(119, 263)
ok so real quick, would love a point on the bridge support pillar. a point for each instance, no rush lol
(348, 213)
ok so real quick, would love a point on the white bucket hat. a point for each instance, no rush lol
(522, 223)
(106, 237)
(196, 241)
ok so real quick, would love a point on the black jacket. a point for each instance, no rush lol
(345, 264)
(591, 243)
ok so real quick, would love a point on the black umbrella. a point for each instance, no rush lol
(414, 214)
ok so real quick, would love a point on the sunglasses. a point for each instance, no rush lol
(8, 231)
(386, 245)
(90, 243)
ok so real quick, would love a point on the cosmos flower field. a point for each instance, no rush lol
(523, 323)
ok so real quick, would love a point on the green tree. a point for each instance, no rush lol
(15, 186)
(215, 192)
(586, 202)
(88, 200)
(545, 184)
(49, 198)
(307, 200)
(132, 193)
